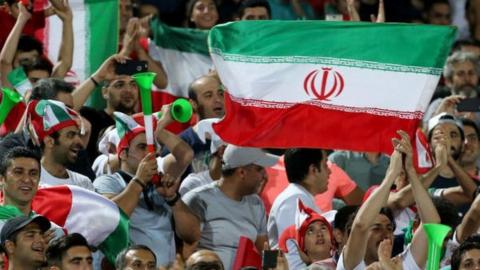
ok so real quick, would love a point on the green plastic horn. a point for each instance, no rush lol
(10, 98)
(436, 234)
(144, 81)
(181, 110)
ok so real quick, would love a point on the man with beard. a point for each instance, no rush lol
(461, 77)
(120, 93)
(471, 150)
(59, 134)
(452, 175)
(206, 96)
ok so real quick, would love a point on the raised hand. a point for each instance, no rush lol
(380, 18)
(23, 15)
(65, 12)
(107, 70)
(168, 186)
(130, 39)
(147, 168)
(384, 256)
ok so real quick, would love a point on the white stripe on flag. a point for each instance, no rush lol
(181, 67)
(96, 217)
(256, 81)
(54, 35)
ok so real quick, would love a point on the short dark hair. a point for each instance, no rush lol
(457, 45)
(192, 94)
(57, 249)
(189, 9)
(447, 212)
(472, 242)
(120, 260)
(17, 152)
(254, 3)
(28, 43)
(298, 161)
(430, 3)
(228, 172)
(471, 123)
(342, 216)
(41, 63)
(383, 211)
(49, 88)
(55, 136)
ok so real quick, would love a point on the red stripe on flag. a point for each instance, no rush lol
(54, 203)
(304, 125)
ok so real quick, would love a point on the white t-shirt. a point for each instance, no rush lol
(195, 180)
(76, 179)
(282, 216)
(408, 262)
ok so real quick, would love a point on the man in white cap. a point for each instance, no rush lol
(230, 208)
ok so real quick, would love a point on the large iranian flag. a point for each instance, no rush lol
(78, 210)
(334, 85)
(183, 53)
(95, 27)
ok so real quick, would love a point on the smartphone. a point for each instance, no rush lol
(131, 67)
(269, 259)
(469, 105)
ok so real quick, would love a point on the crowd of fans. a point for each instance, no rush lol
(340, 209)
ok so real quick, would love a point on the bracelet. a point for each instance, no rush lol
(135, 180)
(174, 200)
(94, 82)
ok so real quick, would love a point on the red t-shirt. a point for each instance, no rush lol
(339, 185)
(32, 28)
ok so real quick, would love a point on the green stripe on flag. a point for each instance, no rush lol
(102, 23)
(118, 240)
(9, 211)
(180, 39)
(396, 44)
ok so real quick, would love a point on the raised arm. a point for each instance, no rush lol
(354, 251)
(426, 209)
(65, 55)
(137, 29)
(127, 200)
(470, 222)
(7, 54)
(404, 197)
(105, 72)
(181, 154)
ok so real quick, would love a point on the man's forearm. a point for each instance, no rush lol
(187, 224)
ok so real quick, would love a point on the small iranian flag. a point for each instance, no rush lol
(78, 210)
(184, 55)
(95, 27)
(333, 85)
(19, 80)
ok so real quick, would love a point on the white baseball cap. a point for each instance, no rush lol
(236, 156)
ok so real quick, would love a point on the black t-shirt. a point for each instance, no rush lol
(100, 120)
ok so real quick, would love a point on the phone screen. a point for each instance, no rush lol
(269, 259)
